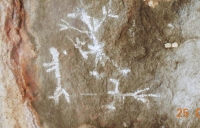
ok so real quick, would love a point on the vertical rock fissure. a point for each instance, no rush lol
(21, 54)
(20, 50)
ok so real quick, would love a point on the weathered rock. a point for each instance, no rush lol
(99, 64)
(15, 112)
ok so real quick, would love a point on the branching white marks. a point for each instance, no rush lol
(58, 92)
(98, 50)
(66, 25)
(78, 44)
(141, 97)
(138, 95)
(96, 47)
(54, 66)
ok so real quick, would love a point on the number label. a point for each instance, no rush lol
(182, 112)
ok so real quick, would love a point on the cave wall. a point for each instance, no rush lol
(99, 64)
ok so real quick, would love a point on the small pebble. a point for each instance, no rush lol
(174, 45)
(168, 45)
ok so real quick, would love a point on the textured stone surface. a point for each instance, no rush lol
(99, 63)
(15, 112)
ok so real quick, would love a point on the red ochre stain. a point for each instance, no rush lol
(21, 51)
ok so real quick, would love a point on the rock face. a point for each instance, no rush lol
(99, 64)
(16, 112)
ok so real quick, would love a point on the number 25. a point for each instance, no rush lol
(182, 112)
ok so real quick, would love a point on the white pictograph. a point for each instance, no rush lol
(138, 95)
(96, 47)
(54, 66)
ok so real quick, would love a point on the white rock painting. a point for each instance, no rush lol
(54, 66)
(138, 95)
(93, 24)
(95, 48)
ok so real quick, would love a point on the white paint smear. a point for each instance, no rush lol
(125, 71)
(96, 74)
(65, 52)
(111, 107)
(170, 25)
(88, 94)
(124, 124)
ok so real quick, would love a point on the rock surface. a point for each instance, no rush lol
(99, 63)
